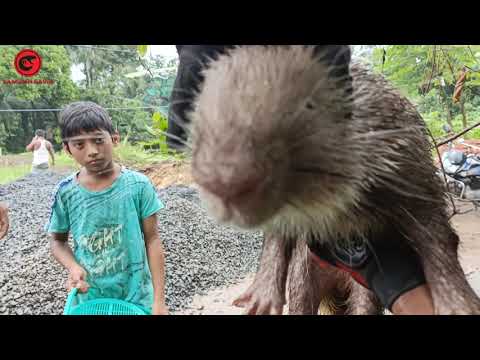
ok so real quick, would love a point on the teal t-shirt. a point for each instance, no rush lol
(107, 234)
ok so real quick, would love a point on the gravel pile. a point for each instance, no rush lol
(200, 255)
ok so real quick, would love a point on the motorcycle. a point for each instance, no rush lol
(462, 173)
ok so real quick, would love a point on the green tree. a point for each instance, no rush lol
(98, 62)
(121, 77)
(16, 128)
(427, 74)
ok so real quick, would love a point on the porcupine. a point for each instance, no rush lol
(302, 144)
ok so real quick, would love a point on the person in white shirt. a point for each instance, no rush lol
(41, 148)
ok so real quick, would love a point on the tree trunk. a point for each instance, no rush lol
(444, 99)
(464, 114)
(26, 132)
(87, 70)
(449, 115)
(87, 73)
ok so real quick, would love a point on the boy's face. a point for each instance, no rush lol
(93, 150)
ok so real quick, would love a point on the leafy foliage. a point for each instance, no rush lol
(130, 100)
(16, 129)
(427, 75)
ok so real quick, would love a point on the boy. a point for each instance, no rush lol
(111, 212)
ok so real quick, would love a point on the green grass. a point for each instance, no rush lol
(129, 155)
(435, 125)
(13, 167)
(136, 156)
(126, 154)
(12, 173)
(64, 160)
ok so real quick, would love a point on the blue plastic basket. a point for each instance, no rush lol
(100, 307)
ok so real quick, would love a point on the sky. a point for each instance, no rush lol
(165, 50)
(168, 51)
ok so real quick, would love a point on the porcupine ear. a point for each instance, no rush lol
(192, 60)
(337, 58)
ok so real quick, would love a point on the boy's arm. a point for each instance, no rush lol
(50, 150)
(62, 252)
(3, 220)
(156, 261)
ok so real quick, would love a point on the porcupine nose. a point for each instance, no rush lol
(231, 182)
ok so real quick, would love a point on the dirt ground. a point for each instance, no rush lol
(468, 228)
(169, 173)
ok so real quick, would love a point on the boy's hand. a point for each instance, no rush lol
(159, 309)
(3, 220)
(76, 279)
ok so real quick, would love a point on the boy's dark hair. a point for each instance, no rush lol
(83, 116)
(40, 132)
